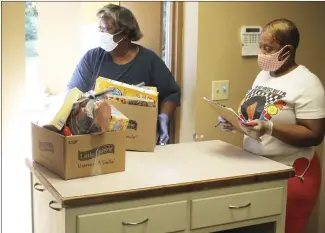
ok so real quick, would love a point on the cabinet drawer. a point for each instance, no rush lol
(169, 217)
(236, 207)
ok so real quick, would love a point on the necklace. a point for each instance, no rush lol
(127, 53)
(136, 52)
(119, 76)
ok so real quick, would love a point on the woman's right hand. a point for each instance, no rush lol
(225, 125)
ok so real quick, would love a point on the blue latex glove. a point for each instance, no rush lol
(163, 133)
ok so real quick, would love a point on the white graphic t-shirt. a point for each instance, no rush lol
(296, 95)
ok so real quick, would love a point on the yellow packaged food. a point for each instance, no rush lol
(130, 100)
(150, 88)
(123, 89)
(118, 122)
(55, 116)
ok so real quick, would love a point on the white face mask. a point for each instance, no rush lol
(106, 41)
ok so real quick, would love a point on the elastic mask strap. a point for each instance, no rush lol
(117, 34)
(282, 50)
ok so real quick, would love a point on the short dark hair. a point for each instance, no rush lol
(284, 31)
(124, 20)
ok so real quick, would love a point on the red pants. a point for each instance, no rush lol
(302, 196)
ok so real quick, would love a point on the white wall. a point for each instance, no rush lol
(16, 216)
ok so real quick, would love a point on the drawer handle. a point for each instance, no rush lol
(135, 223)
(239, 206)
(36, 186)
(54, 208)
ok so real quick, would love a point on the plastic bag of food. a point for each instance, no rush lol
(93, 114)
(90, 116)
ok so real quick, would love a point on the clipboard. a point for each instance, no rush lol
(231, 116)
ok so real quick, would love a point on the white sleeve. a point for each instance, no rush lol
(311, 102)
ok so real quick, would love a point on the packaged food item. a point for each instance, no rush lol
(118, 122)
(55, 116)
(131, 100)
(93, 114)
(89, 116)
(66, 131)
(123, 89)
(150, 88)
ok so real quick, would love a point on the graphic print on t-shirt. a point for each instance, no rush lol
(261, 103)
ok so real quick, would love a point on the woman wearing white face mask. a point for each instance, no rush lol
(119, 59)
(287, 105)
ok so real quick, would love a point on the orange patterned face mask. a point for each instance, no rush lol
(271, 62)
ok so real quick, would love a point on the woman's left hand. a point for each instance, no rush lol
(163, 133)
(262, 127)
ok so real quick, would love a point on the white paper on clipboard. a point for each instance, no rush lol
(231, 116)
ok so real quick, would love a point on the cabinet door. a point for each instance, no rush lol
(48, 217)
(163, 218)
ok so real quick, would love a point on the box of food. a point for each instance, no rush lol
(139, 105)
(78, 156)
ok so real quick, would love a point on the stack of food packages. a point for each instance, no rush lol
(93, 112)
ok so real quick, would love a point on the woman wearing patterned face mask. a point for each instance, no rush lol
(286, 104)
(118, 58)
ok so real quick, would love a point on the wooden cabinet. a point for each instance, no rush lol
(48, 216)
(230, 189)
(203, 211)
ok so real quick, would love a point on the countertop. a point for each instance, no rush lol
(170, 169)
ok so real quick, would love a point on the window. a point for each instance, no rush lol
(54, 45)
(166, 35)
(32, 84)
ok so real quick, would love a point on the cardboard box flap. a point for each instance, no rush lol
(48, 148)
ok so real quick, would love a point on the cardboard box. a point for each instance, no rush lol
(141, 134)
(78, 156)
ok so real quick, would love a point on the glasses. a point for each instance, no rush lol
(103, 29)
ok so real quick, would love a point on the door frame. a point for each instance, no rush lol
(175, 41)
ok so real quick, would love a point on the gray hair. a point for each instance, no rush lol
(124, 20)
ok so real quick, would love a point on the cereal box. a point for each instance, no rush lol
(123, 89)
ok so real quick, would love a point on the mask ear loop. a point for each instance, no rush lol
(288, 52)
(283, 56)
(121, 38)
